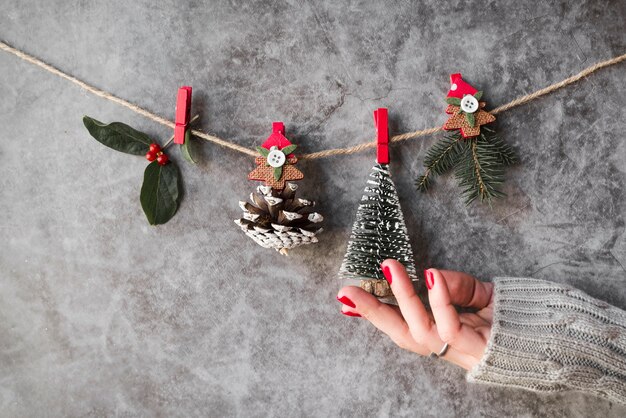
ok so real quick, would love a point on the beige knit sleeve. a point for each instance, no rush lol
(549, 337)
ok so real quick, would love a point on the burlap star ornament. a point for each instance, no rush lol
(468, 123)
(275, 177)
(466, 108)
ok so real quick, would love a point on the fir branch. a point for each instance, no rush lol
(478, 163)
(423, 182)
(440, 158)
(506, 154)
(481, 171)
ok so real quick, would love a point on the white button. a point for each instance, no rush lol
(453, 86)
(276, 158)
(469, 104)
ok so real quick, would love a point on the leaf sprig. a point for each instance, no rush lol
(160, 191)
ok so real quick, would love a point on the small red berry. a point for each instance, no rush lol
(155, 147)
(151, 156)
(162, 159)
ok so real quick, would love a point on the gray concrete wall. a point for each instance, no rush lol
(103, 315)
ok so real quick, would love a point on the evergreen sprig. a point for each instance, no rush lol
(481, 171)
(478, 164)
(442, 157)
(502, 149)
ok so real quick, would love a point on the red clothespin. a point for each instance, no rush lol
(183, 109)
(278, 127)
(277, 138)
(382, 135)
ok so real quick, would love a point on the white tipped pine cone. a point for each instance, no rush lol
(278, 219)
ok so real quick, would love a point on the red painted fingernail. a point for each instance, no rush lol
(351, 314)
(430, 279)
(387, 274)
(346, 301)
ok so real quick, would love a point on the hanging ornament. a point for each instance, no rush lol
(379, 231)
(275, 217)
(473, 150)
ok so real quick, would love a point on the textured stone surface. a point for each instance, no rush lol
(101, 314)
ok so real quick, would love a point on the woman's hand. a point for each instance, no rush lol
(414, 328)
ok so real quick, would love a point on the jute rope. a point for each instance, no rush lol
(122, 102)
(320, 154)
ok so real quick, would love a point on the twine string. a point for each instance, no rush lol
(320, 154)
(169, 141)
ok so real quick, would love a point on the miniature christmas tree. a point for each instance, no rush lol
(379, 231)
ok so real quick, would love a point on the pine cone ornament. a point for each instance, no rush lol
(278, 219)
(275, 217)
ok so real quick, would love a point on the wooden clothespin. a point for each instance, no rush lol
(382, 135)
(183, 110)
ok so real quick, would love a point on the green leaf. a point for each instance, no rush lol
(289, 149)
(263, 151)
(469, 117)
(118, 136)
(478, 95)
(186, 148)
(159, 192)
(278, 172)
(453, 101)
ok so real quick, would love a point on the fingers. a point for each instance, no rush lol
(450, 328)
(467, 291)
(356, 301)
(388, 319)
(412, 308)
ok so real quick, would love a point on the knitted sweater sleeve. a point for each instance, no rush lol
(549, 337)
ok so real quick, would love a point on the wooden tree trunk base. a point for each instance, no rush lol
(378, 288)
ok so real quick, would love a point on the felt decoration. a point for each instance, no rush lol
(275, 168)
(379, 231)
(459, 88)
(276, 218)
(466, 109)
(467, 121)
(474, 151)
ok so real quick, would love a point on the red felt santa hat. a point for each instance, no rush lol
(458, 87)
